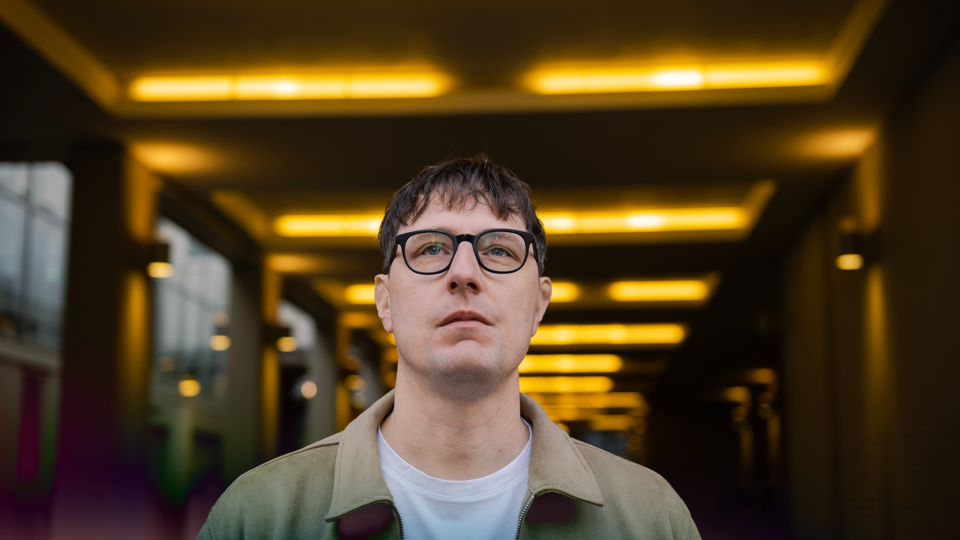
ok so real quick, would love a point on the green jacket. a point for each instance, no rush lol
(333, 489)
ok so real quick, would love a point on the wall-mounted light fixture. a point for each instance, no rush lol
(158, 260)
(281, 337)
(850, 256)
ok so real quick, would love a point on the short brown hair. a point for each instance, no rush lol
(457, 182)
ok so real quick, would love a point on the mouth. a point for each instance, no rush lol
(465, 318)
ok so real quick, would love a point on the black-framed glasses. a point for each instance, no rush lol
(431, 251)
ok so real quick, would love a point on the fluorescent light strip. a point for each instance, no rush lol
(329, 225)
(565, 384)
(360, 294)
(609, 334)
(622, 221)
(595, 222)
(666, 78)
(691, 290)
(565, 292)
(627, 400)
(571, 363)
(292, 87)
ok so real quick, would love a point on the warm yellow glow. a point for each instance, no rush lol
(850, 261)
(564, 292)
(680, 79)
(766, 75)
(173, 158)
(609, 334)
(621, 221)
(590, 80)
(293, 264)
(359, 319)
(356, 383)
(287, 344)
(329, 225)
(219, 342)
(570, 363)
(308, 389)
(838, 144)
(181, 88)
(611, 422)
(565, 384)
(189, 387)
(659, 291)
(159, 270)
(739, 394)
(360, 294)
(620, 400)
(290, 87)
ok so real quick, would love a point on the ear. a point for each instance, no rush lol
(381, 294)
(543, 300)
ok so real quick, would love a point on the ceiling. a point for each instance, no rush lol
(300, 157)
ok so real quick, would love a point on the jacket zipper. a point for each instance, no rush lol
(523, 514)
(400, 521)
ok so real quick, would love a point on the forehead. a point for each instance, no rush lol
(467, 218)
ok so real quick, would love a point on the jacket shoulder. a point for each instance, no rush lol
(609, 466)
(638, 491)
(271, 497)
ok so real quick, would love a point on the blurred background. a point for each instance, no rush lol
(751, 210)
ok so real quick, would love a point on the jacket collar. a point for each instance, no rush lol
(555, 463)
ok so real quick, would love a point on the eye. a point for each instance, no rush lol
(434, 249)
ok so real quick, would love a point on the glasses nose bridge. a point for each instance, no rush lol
(460, 239)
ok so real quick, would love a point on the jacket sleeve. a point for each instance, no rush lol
(206, 533)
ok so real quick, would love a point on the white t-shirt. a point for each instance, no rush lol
(486, 508)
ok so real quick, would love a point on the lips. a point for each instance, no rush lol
(464, 317)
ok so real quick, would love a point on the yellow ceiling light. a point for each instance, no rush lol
(564, 292)
(360, 294)
(565, 384)
(182, 89)
(766, 75)
(622, 221)
(659, 291)
(594, 80)
(619, 400)
(423, 84)
(330, 225)
(609, 334)
(571, 363)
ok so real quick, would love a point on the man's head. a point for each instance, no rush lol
(464, 329)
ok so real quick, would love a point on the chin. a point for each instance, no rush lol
(466, 373)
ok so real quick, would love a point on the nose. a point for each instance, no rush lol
(464, 273)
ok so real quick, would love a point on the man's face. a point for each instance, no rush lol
(466, 329)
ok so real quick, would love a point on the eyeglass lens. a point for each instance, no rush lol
(499, 251)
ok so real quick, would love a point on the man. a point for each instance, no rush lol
(455, 451)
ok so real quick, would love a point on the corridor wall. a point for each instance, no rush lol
(870, 358)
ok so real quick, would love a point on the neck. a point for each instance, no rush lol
(455, 439)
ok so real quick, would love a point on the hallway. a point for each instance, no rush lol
(752, 225)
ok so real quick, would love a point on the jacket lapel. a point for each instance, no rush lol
(357, 482)
(555, 463)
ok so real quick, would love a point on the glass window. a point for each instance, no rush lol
(34, 224)
(192, 315)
